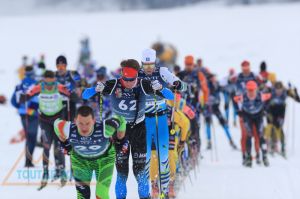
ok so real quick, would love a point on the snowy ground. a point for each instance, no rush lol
(222, 36)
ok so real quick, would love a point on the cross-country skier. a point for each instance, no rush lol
(91, 148)
(212, 108)
(157, 116)
(228, 85)
(276, 115)
(28, 112)
(50, 93)
(128, 97)
(70, 79)
(196, 83)
(242, 79)
(251, 105)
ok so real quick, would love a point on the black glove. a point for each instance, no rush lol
(67, 146)
(177, 85)
(113, 122)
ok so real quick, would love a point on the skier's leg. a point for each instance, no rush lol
(207, 115)
(226, 105)
(82, 173)
(263, 146)
(104, 173)
(163, 133)
(58, 154)
(30, 125)
(122, 165)
(222, 121)
(154, 166)
(249, 133)
(154, 174)
(150, 131)
(243, 135)
(137, 139)
(47, 141)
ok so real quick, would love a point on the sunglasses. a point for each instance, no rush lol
(49, 83)
(146, 66)
(129, 79)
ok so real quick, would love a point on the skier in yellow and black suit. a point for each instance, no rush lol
(179, 130)
(276, 114)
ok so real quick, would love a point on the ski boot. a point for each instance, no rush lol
(155, 190)
(258, 161)
(28, 163)
(56, 175)
(208, 145)
(63, 178)
(244, 159)
(248, 161)
(283, 153)
(44, 179)
(266, 161)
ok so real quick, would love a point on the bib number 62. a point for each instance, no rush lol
(125, 107)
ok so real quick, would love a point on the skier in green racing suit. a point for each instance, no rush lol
(91, 148)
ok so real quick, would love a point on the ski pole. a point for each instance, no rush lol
(293, 127)
(172, 115)
(215, 142)
(161, 194)
(100, 106)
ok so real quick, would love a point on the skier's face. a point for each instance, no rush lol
(189, 67)
(85, 124)
(129, 83)
(246, 69)
(61, 68)
(252, 93)
(148, 68)
(199, 63)
(278, 91)
(49, 83)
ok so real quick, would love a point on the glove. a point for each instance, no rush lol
(177, 85)
(67, 146)
(156, 86)
(111, 126)
(100, 87)
(121, 144)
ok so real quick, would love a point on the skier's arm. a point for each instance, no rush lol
(14, 99)
(108, 89)
(148, 90)
(63, 90)
(293, 93)
(204, 87)
(34, 91)
(184, 123)
(61, 129)
(266, 96)
(171, 79)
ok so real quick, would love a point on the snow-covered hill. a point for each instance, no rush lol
(223, 37)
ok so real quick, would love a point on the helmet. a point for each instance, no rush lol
(251, 85)
(189, 60)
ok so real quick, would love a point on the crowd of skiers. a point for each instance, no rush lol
(148, 109)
